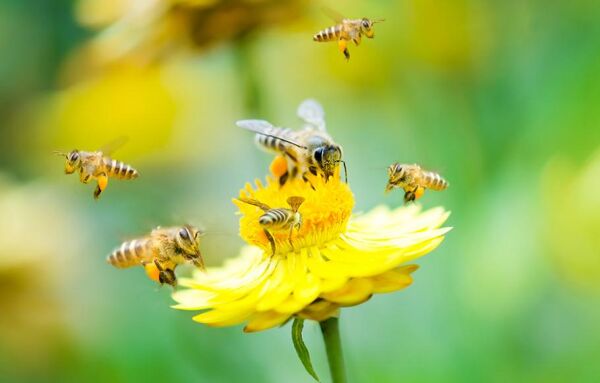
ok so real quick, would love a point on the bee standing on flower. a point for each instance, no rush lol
(97, 166)
(310, 150)
(413, 180)
(278, 218)
(161, 252)
(346, 30)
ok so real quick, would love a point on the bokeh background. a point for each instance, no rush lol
(500, 97)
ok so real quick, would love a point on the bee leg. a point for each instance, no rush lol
(165, 275)
(290, 238)
(283, 178)
(410, 195)
(305, 179)
(102, 183)
(343, 47)
(83, 177)
(357, 40)
(271, 240)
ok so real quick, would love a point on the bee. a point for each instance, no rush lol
(161, 252)
(278, 218)
(413, 180)
(308, 150)
(96, 166)
(346, 30)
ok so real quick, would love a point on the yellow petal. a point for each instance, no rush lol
(319, 311)
(393, 280)
(356, 291)
(265, 320)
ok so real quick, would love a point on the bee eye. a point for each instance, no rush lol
(366, 23)
(74, 157)
(319, 155)
(183, 233)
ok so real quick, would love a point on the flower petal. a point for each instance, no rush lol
(265, 320)
(356, 291)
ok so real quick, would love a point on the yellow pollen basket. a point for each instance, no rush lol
(325, 212)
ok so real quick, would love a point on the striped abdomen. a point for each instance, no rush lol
(329, 34)
(434, 181)
(119, 169)
(131, 253)
(276, 219)
(272, 143)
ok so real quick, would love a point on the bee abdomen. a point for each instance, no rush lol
(274, 218)
(271, 142)
(328, 34)
(120, 170)
(130, 254)
(434, 181)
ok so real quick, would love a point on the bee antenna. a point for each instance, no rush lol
(284, 140)
(59, 153)
(374, 21)
(345, 170)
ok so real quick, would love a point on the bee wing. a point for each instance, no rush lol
(263, 127)
(254, 202)
(311, 112)
(256, 126)
(333, 14)
(110, 147)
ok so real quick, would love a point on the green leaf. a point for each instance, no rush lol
(301, 349)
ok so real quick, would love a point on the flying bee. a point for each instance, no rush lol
(413, 180)
(346, 30)
(308, 150)
(96, 166)
(278, 218)
(161, 252)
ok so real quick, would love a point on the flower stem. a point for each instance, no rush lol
(333, 345)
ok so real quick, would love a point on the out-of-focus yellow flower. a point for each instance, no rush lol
(145, 31)
(572, 227)
(448, 34)
(35, 261)
(337, 260)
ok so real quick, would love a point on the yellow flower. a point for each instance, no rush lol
(337, 259)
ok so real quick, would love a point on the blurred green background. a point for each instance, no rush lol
(500, 97)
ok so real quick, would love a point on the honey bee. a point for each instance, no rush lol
(278, 218)
(308, 150)
(346, 30)
(96, 166)
(161, 252)
(413, 180)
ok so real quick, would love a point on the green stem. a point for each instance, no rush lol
(333, 345)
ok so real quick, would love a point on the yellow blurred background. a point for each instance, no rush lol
(500, 97)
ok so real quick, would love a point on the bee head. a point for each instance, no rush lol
(396, 176)
(328, 158)
(73, 161)
(366, 26)
(188, 240)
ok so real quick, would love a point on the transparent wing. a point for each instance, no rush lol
(113, 145)
(256, 126)
(311, 112)
(333, 14)
(264, 128)
(254, 202)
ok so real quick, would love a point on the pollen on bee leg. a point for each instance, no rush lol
(419, 191)
(152, 271)
(342, 44)
(102, 181)
(278, 166)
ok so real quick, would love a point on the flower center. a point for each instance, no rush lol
(324, 213)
